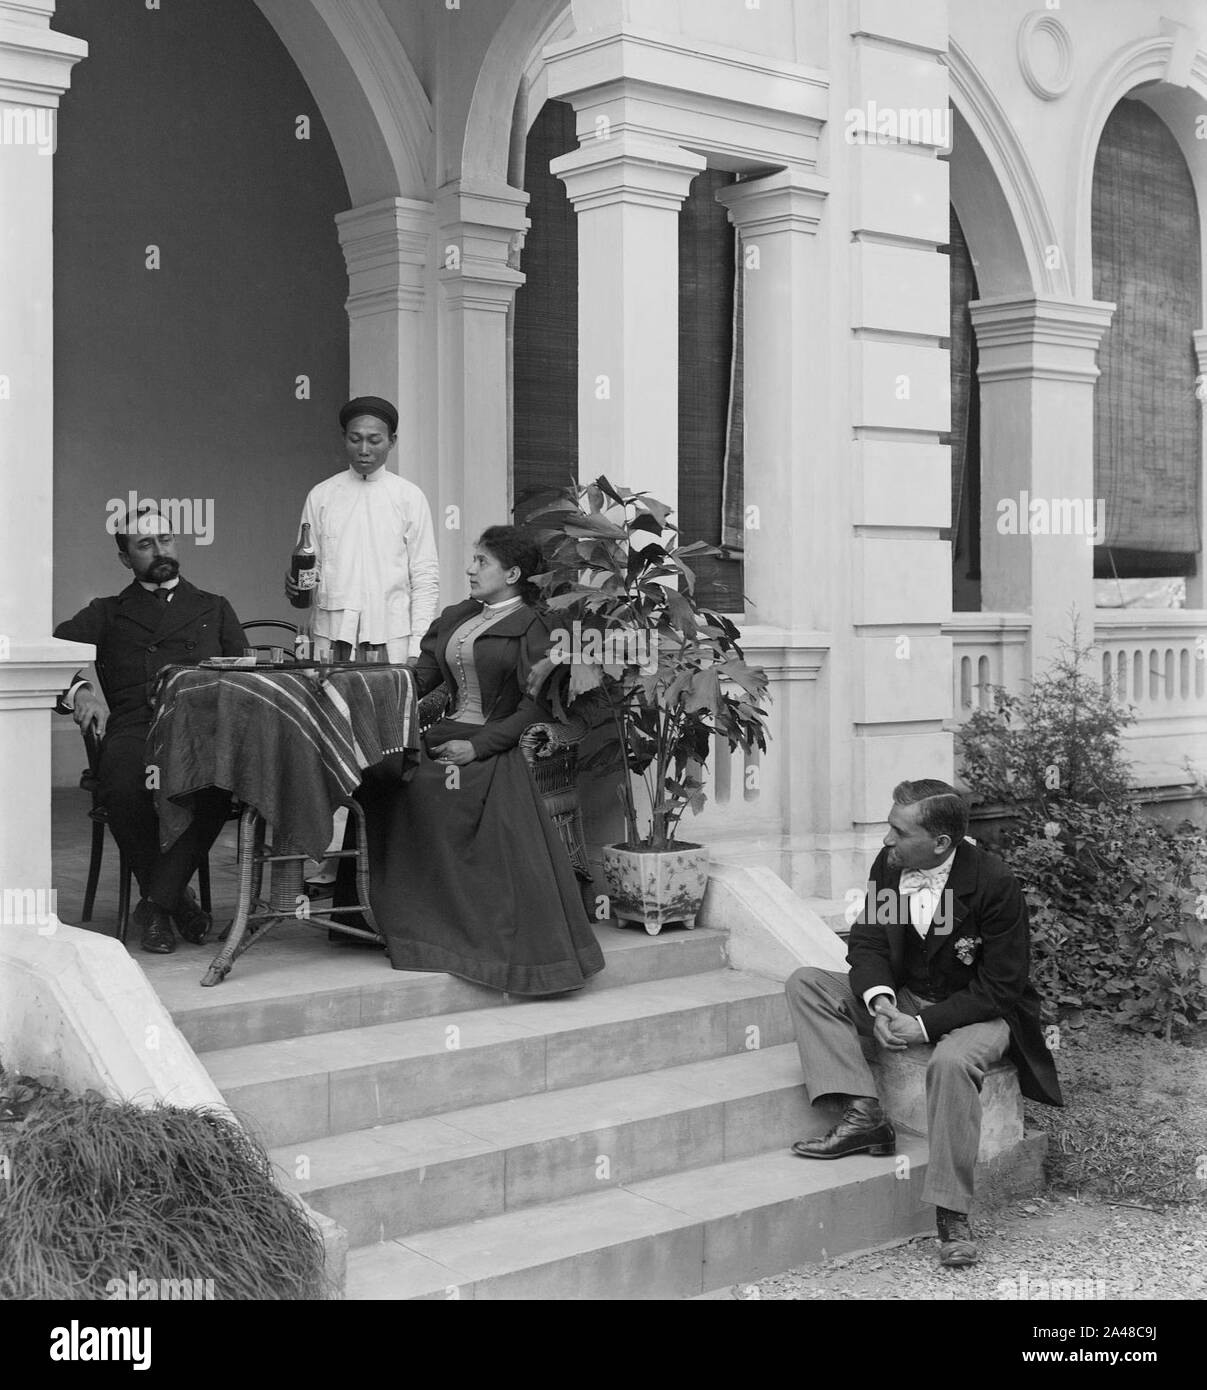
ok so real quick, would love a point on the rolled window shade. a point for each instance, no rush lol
(1147, 421)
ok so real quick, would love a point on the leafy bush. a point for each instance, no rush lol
(1117, 901)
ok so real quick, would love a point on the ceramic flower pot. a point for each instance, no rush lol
(656, 886)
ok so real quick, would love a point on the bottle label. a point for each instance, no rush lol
(307, 579)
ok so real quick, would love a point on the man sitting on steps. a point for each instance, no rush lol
(948, 967)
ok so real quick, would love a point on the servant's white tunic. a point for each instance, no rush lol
(379, 577)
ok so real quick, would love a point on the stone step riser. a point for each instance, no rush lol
(704, 1254)
(400, 996)
(473, 1186)
(290, 1109)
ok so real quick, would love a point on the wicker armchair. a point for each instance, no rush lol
(551, 752)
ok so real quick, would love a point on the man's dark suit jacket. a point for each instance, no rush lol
(977, 962)
(136, 635)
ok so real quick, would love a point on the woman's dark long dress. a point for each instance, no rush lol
(468, 874)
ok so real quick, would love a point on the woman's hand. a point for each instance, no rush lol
(457, 751)
(539, 674)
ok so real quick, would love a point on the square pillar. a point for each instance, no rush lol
(1038, 370)
(480, 234)
(35, 70)
(387, 247)
(789, 532)
(627, 192)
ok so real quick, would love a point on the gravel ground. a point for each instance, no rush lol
(1114, 1252)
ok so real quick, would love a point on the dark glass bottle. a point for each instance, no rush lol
(301, 569)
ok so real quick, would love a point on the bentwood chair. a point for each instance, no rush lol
(99, 816)
(279, 625)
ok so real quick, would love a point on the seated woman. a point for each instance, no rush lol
(467, 871)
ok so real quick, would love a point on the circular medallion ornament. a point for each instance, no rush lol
(1045, 55)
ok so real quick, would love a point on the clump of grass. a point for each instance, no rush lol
(1134, 1126)
(98, 1188)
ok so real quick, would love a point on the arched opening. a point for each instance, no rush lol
(965, 435)
(201, 339)
(1147, 420)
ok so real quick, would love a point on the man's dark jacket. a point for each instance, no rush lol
(976, 964)
(136, 635)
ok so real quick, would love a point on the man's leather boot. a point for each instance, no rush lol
(864, 1128)
(191, 921)
(956, 1247)
(156, 927)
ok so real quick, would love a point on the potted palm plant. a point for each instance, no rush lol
(632, 644)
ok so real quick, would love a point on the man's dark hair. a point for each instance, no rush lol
(942, 810)
(122, 534)
(511, 546)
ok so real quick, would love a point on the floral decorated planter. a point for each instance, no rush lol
(656, 886)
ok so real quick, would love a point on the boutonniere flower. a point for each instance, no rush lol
(966, 948)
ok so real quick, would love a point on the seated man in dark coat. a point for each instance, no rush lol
(157, 619)
(940, 955)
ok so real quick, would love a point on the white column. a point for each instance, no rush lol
(789, 524)
(35, 69)
(480, 234)
(386, 246)
(627, 192)
(1038, 370)
(1196, 584)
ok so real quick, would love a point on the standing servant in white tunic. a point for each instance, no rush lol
(378, 577)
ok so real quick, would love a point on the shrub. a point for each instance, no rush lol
(98, 1189)
(1117, 902)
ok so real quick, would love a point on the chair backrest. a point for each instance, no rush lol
(276, 624)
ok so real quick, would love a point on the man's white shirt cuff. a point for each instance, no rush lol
(874, 993)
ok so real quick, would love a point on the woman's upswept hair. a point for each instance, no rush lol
(512, 546)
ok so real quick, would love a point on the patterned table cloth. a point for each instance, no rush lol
(293, 743)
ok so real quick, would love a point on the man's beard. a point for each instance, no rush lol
(163, 570)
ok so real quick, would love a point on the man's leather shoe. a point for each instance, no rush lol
(156, 927)
(956, 1247)
(191, 921)
(864, 1128)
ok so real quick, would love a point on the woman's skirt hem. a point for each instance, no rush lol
(554, 977)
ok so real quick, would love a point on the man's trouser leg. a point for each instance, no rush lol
(178, 863)
(123, 787)
(953, 1109)
(830, 1027)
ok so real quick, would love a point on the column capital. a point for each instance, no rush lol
(481, 229)
(1037, 337)
(790, 200)
(35, 60)
(385, 247)
(628, 168)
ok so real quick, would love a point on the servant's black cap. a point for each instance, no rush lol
(369, 405)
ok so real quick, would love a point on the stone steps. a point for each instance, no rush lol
(629, 1140)
(489, 1159)
(667, 1237)
(355, 1078)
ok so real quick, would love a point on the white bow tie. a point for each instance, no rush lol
(914, 880)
